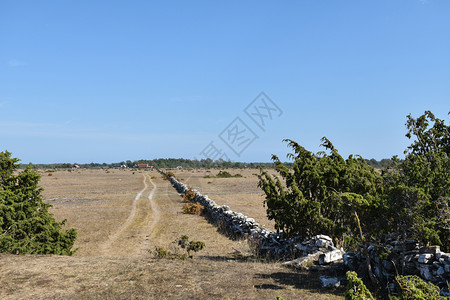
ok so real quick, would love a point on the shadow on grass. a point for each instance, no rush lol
(230, 258)
(307, 280)
(268, 287)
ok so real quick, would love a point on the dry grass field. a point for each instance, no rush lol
(121, 214)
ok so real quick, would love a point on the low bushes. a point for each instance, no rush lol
(184, 245)
(414, 288)
(356, 290)
(223, 174)
(193, 208)
(189, 196)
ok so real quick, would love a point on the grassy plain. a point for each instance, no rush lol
(121, 214)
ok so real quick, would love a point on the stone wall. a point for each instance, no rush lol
(409, 258)
(267, 243)
(427, 262)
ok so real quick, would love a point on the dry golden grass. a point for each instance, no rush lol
(113, 262)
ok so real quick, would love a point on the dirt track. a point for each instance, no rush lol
(149, 215)
(121, 216)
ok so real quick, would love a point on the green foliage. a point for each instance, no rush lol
(434, 139)
(418, 188)
(183, 243)
(190, 246)
(323, 193)
(225, 174)
(414, 288)
(26, 226)
(356, 290)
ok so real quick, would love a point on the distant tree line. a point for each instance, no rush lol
(185, 163)
(159, 163)
(380, 164)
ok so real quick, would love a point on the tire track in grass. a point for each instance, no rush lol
(154, 207)
(107, 245)
(155, 213)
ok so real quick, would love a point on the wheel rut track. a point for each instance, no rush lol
(125, 231)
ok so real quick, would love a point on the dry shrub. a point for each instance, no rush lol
(168, 175)
(50, 174)
(193, 208)
(189, 196)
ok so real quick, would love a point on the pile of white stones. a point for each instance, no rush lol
(429, 263)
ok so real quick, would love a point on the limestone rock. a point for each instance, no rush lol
(425, 258)
(425, 272)
(330, 281)
(330, 257)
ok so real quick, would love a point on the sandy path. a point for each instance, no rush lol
(155, 214)
(142, 214)
(154, 208)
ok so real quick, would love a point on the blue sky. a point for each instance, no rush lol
(106, 81)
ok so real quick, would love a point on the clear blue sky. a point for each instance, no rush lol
(106, 81)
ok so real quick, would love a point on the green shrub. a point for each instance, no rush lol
(223, 174)
(323, 193)
(189, 246)
(26, 225)
(414, 288)
(320, 193)
(182, 242)
(356, 290)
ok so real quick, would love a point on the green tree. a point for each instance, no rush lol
(418, 188)
(322, 193)
(26, 225)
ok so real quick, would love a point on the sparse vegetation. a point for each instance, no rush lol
(97, 204)
(183, 243)
(223, 174)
